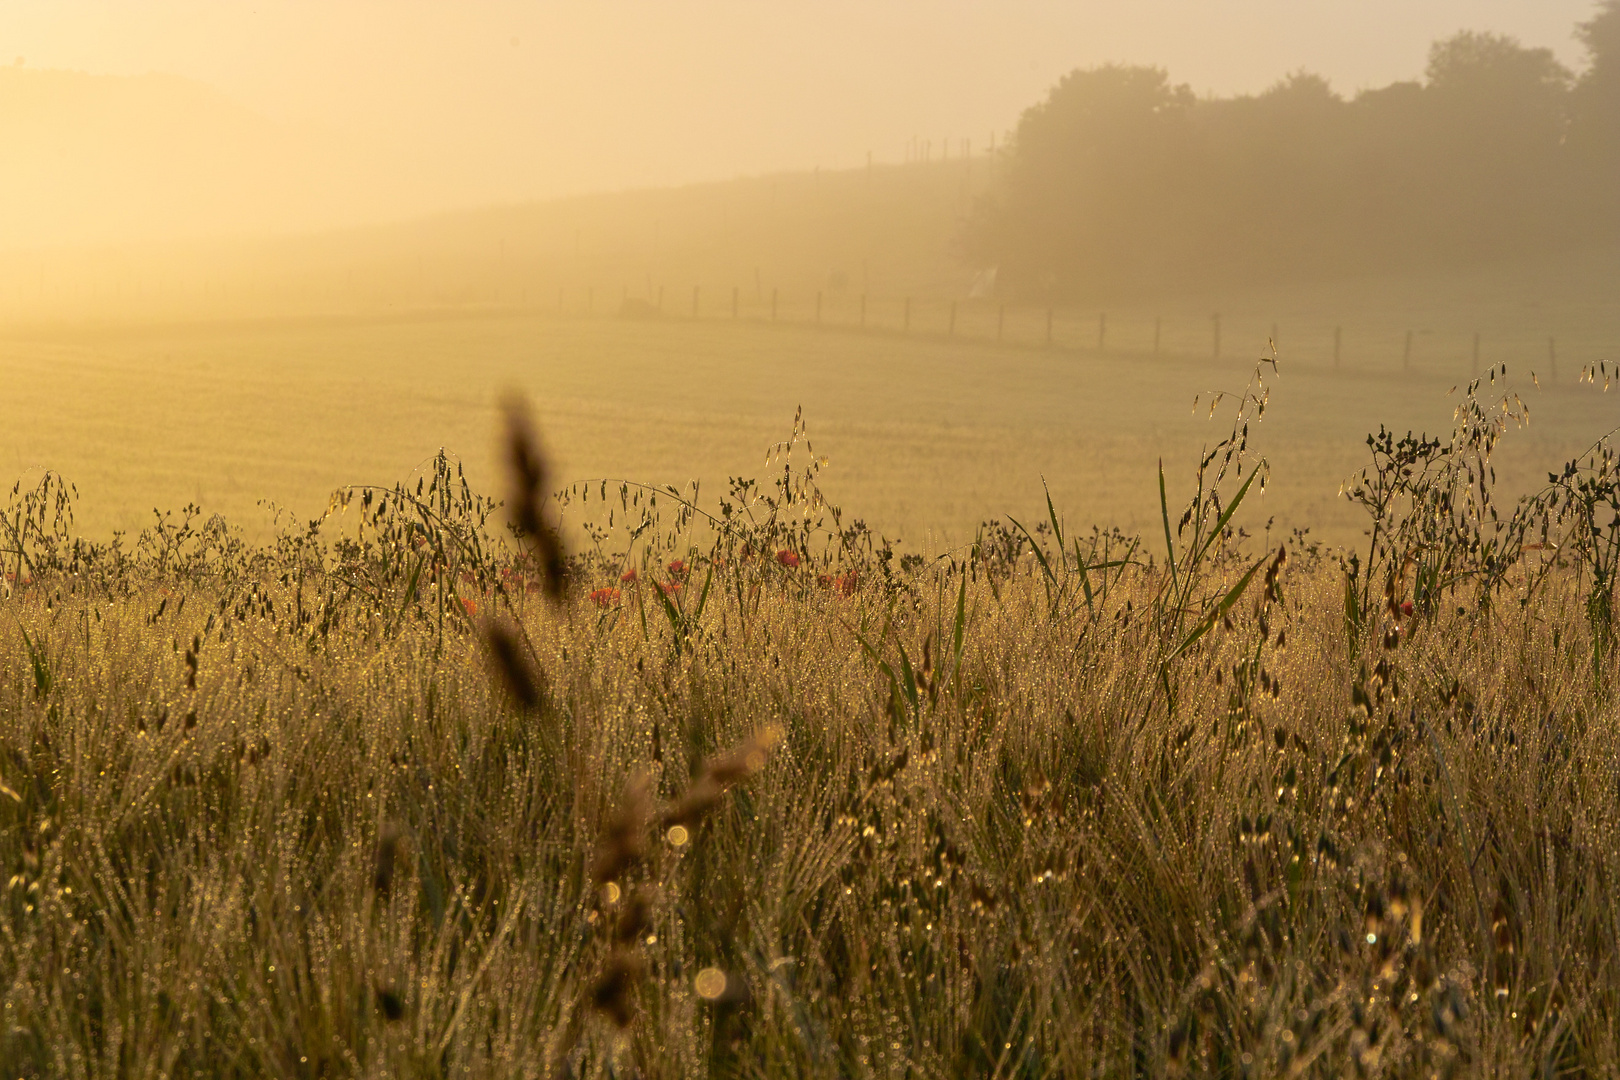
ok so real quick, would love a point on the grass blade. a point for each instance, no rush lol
(1232, 596)
(1169, 544)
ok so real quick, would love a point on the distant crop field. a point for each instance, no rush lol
(927, 436)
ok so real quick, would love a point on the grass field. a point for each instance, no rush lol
(376, 808)
(927, 436)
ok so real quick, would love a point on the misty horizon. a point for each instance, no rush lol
(102, 154)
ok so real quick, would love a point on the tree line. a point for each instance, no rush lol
(1123, 182)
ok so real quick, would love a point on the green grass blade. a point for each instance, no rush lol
(1169, 544)
(1051, 512)
(909, 676)
(866, 647)
(1232, 596)
(1039, 554)
(677, 621)
(410, 592)
(961, 620)
(1085, 578)
(1231, 509)
(703, 597)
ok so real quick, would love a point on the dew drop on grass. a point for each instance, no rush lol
(710, 983)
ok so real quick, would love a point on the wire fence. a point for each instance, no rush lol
(1383, 346)
(1440, 342)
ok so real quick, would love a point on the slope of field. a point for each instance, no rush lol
(927, 436)
(889, 231)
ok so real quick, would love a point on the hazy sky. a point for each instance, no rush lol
(503, 99)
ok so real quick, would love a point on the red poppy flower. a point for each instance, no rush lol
(628, 576)
(605, 597)
(669, 588)
(1406, 607)
(677, 570)
(469, 605)
(787, 558)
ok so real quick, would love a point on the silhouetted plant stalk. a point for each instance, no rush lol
(529, 485)
(619, 870)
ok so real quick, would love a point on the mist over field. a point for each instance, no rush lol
(1117, 236)
(866, 539)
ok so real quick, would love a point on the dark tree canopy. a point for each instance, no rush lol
(1124, 182)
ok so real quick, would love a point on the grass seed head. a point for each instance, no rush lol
(624, 836)
(529, 481)
(614, 990)
(634, 917)
(512, 662)
(745, 759)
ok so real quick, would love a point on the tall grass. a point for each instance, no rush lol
(758, 796)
